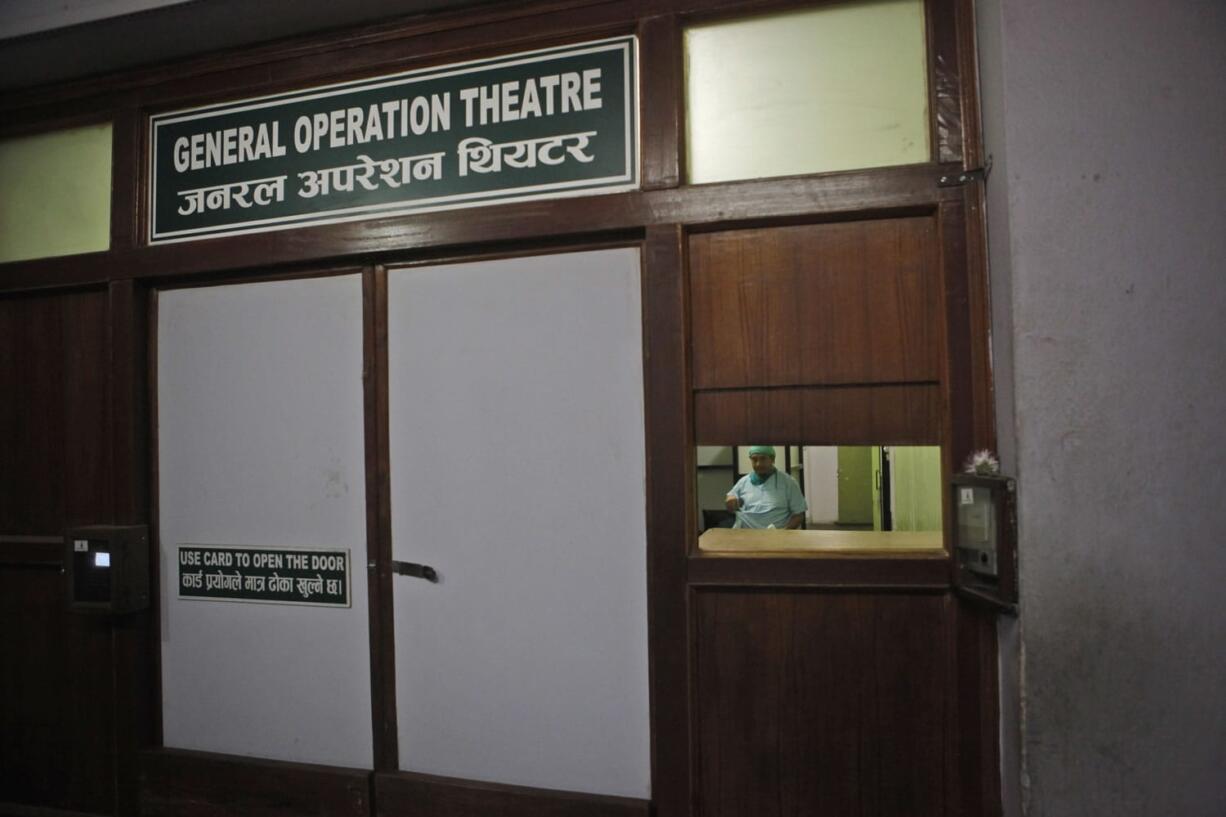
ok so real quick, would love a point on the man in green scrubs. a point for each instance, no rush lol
(766, 497)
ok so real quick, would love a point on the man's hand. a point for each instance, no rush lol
(732, 503)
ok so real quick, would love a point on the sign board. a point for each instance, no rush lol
(542, 124)
(269, 575)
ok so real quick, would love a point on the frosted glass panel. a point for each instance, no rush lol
(835, 88)
(56, 193)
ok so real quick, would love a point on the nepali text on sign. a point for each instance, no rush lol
(543, 124)
(275, 575)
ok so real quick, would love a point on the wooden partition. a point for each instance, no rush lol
(57, 683)
(843, 303)
(824, 677)
(823, 333)
(857, 415)
(823, 702)
(838, 308)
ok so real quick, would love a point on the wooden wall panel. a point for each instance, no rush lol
(855, 415)
(853, 302)
(31, 415)
(53, 415)
(670, 514)
(57, 718)
(176, 783)
(821, 703)
(133, 637)
(977, 784)
(56, 713)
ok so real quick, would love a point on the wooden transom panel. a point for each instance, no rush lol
(818, 304)
(907, 414)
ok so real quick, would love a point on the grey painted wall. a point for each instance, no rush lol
(1107, 214)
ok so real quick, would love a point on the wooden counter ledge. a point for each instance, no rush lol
(819, 542)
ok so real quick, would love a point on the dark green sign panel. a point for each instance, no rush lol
(270, 575)
(543, 124)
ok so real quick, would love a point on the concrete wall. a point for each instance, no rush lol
(1108, 234)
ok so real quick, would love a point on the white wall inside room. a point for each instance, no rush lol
(822, 483)
(260, 443)
(1108, 249)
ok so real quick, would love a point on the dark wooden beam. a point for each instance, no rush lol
(379, 520)
(662, 106)
(429, 796)
(132, 635)
(907, 190)
(670, 513)
(870, 414)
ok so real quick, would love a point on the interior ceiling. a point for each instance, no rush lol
(18, 17)
(171, 32)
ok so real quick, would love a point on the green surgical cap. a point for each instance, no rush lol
(761, 450)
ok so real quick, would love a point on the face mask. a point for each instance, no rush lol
(757, 480)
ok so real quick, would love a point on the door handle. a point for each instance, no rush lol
(414, 569)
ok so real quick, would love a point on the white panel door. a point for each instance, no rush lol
(822, 483)
(260, 443)
(517, 472)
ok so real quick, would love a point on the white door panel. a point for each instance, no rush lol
(517, 471)
(260, 443)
